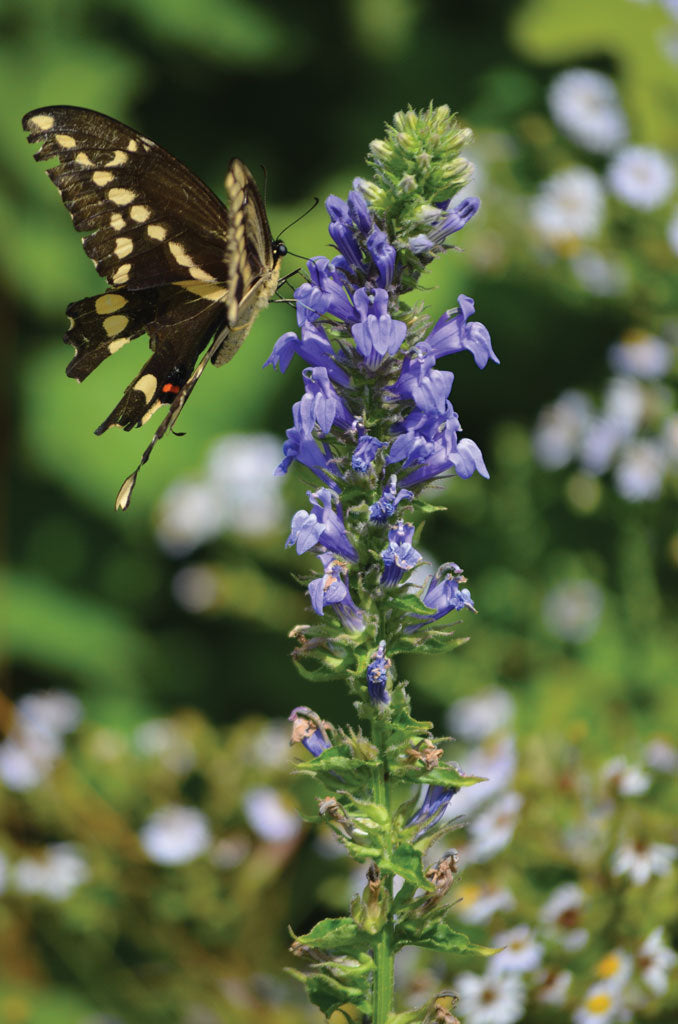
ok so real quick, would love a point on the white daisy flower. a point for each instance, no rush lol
(50, 713)
(614, 969)
(479, 903)
(268, 816)
(641, 177)
(624, 778)
(571, 610)
(600, 1005)
(495, 762)
(662, 756)
(569, 206)
(489, 998)
(672, 232)
(197, 588)
(562, 915)
(641, 354)
(654, 960)
(559, 429)
(639, 473)
(493, 829)
(55, 874)
(175, 835)
(520, 953)
(477, 717)
(553, 986)
(585, 105)
(162, 738)
(624, 405)
(597, 274)
(641, 860)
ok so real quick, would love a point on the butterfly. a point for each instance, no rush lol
(182, 268)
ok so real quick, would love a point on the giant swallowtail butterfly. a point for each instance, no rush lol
(182, 268)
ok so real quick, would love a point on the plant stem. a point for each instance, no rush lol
(382, 995)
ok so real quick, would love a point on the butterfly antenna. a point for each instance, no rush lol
(300, 217)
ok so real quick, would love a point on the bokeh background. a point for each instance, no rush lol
(151, 851)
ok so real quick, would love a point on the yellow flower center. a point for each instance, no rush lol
(608, 966)
(599, 1003)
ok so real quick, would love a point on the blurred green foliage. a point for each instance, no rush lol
(302, 90)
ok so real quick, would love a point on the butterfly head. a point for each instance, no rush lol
(279, 249)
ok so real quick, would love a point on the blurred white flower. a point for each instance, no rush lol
(654, 959)
(55, 874)
(230, 851)
(494, 762)
(600, 1005)
(269, 817)
(624, 405)
(624, 778)
(271, 745)
(553, 986)
(662, 756)
(477, 717)
(522, 953)
(585, 105)
(562, 916)
(639, 473)
(641, 177)
(493, 828)
(641, 354)
(50, 713)
(163, 739)
(569, 206)
(35, 739)
(196, 588)
(559, 429)
(641, 860)
(238, 492)
(672, 232)
(615, 968)
(598, 274)
(479, 903)
(600, 444)
(571, 610)
(490, 998)
(175, 835)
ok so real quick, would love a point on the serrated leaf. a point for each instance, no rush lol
(406, 861)
(329, 995)
(410, 603)
(439, 643)
(336, 935)
(426, 508)
(436, 935)
(440, 776)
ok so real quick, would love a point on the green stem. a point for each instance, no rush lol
(382, 993)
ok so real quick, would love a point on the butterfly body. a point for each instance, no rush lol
(181, 267)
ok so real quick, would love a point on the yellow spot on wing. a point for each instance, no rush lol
(83, 160)
(132, 145)
(147, 385)
(121, 275)
(121, 196)
(180, 254)
(67, 141)
(140, 213)
(115, 324)
(102, 178)
(43, 122)
(199, 274)
(109, 303)
(118, 159)
(119, 343)
(149, 412)
(117, 221)
(123, 247)
(206, 290)
(156, 231)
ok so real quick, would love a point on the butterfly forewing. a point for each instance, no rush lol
(182, 268)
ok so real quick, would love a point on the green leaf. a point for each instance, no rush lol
(439, 643)
(443, 775)
(336, 935)
(406, 861)
(329, 995)
(409, 603)
(436, 935)
(426, 508)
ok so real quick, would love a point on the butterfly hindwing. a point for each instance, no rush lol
(181, 267)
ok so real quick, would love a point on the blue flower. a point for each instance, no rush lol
(323, 526)
(432, 809)
(314, 347)
(444, 594)
(364, 453)
(378, 672)
(444, 219)
(326, 293)
(384, 508)
(383, 256)
(342, 228)
(452, 333)
(307, 728)
(428, 443)
(330, 588)
(421, 383)
(302, 446)
(324, 406)
(377, 335)
(399, 557)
